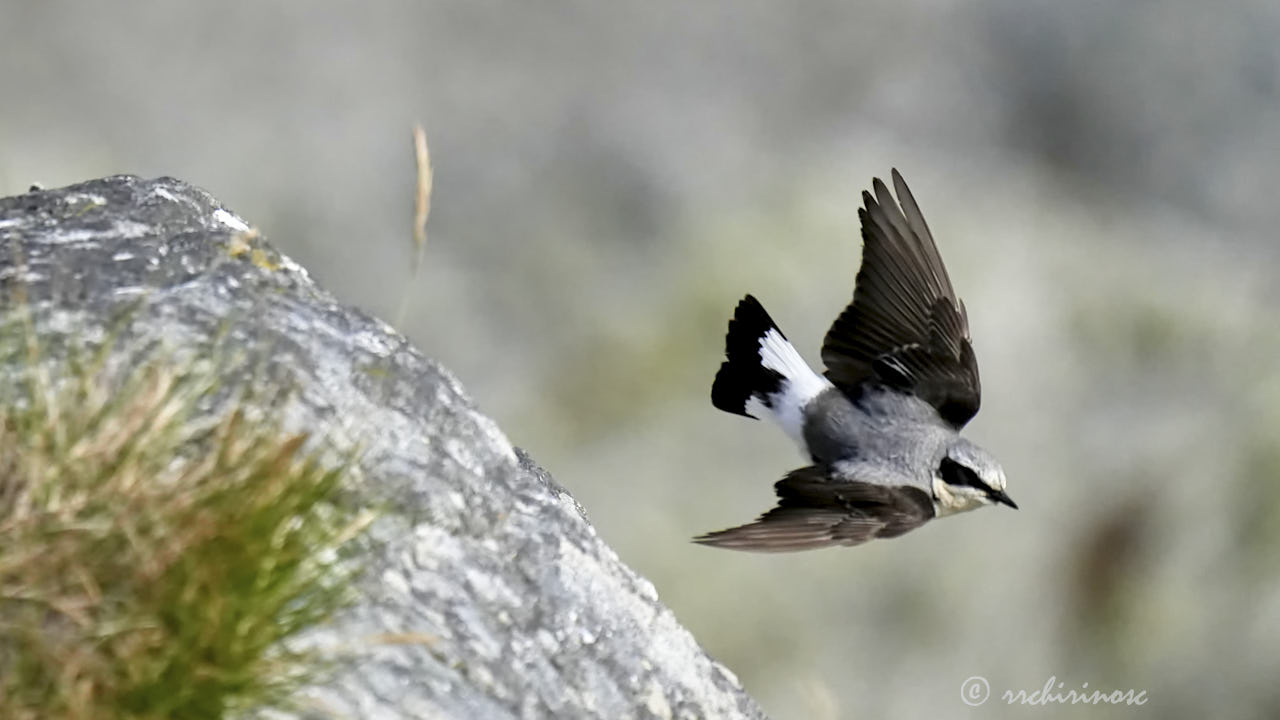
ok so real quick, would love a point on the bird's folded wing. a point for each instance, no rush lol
(905, 327)
(816, 511)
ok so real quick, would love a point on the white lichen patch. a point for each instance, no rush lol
(550, 645)
(433, 547)
(74, 236)
(727, 674)
(123, 229)
(575, 509)
(483, 585)
(129, 229)
(655, 702)
(161, 192)
(287, 263)
(89, 198)
(373, 343)
(230, 220)
(395, 585)
(463, 453)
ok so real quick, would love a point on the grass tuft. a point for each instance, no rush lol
(153, 561)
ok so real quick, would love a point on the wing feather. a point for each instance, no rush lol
(816, 510)
(905, 326)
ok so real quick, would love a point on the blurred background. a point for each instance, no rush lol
(612, 177)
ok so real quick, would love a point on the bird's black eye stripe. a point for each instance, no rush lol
(953, 473)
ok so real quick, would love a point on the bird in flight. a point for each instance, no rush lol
(882, 424)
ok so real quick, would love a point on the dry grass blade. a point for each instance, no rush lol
(421, 211)
(422, 199)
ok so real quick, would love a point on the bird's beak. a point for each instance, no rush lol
(1003, 498)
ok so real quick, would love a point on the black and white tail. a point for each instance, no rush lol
(763, 372)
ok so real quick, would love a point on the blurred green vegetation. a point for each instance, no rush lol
(152, 560)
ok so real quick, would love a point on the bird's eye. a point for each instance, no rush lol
(953, 473)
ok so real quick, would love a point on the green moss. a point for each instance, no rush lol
(153, 560)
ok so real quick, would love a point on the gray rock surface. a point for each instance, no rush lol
(487, 593)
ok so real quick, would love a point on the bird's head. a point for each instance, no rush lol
(967, 477)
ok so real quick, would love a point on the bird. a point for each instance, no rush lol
(881, 426)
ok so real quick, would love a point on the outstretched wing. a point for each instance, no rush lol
(905, 327)
(815, 511)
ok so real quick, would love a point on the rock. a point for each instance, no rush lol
(486, 592)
